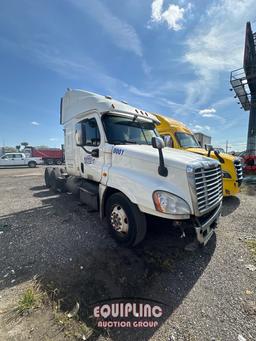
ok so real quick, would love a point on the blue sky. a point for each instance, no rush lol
(171, 57)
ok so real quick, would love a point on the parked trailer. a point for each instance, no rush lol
(250, 164)
(50, 156)
(117, 164)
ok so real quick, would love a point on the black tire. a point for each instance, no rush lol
(57, 180)
(55, 173)
(136, 220)
(32, 164)
(58, 162)
(47, 174)
(49, 162)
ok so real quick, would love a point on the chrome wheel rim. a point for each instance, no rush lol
(119, 220)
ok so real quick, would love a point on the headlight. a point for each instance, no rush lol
(226, 175)
(169, 203)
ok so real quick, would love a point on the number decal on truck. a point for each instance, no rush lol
(89, 160)
(118, 151)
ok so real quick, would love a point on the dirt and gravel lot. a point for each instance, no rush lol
(209, 294)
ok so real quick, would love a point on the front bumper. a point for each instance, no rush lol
(205, 228)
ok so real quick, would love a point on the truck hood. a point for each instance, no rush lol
(204, 152)
(172, 157)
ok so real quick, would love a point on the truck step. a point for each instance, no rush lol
(89, 195)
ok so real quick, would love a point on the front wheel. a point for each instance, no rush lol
(32, 164)
(127, 224)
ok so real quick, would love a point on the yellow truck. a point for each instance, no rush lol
(177, 135)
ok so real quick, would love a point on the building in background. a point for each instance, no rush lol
(203, 139)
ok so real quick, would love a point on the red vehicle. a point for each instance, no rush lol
(249, 163)
(50, 156)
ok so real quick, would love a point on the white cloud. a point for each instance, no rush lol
(173, 15)
(157, 6)
(207, 112)
(121, 33)
(34, 123)
(132, 89)
(200, 128)
(146, 68)
(215, 46)
(211, 113)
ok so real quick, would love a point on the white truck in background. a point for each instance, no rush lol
(19, 159)
(203, 139)
(116, 163)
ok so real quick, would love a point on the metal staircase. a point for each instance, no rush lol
(240, 86)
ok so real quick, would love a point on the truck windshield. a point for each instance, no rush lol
(187, 140)
(125, 130)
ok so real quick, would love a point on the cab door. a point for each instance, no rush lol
(10, 159)
(91, 154)
(5, 160)
(18, 160)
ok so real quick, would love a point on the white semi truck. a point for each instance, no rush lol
(116, 162)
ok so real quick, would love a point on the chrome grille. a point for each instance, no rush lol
(208, 183)
(239, 171)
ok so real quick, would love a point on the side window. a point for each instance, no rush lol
(18, 156)
(92, 132)
(167, 140)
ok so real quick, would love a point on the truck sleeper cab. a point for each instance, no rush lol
(181, 137)
(116, 163)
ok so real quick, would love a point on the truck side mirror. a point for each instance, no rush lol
(80, 135)
(95, 152)
(167, 141)
(158, 143)
(208, 147)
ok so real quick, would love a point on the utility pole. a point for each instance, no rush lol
(227, 146)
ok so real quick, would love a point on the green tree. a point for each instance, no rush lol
(9, 149)
(24, 144)
(18, 148)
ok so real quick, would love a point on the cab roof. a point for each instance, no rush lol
(76, 103)
(167, 122)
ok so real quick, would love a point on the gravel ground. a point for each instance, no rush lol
(209, 294)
